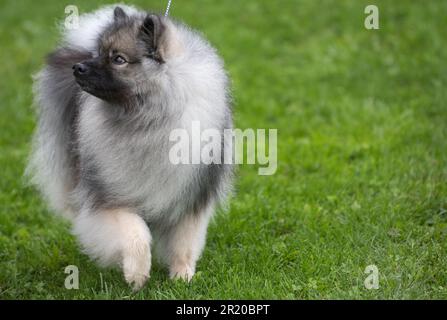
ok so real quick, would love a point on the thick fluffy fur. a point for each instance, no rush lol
(101, 148)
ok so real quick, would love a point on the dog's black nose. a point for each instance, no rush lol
(80, 68)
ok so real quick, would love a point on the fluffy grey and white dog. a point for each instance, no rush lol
(108, 99)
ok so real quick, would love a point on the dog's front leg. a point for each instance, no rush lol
(181, 246)
(117, 236)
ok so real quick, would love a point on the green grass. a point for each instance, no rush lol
(361, 118)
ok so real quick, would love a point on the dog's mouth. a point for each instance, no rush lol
(106, 94)
(87, 86)
(83, 83)
(90, 87)
(84, 78)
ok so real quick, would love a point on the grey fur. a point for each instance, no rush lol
(104, 144)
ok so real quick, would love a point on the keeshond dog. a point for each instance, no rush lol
(108, 98)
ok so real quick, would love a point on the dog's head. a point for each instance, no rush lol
(131, 54)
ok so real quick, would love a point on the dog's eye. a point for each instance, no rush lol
(119, 60)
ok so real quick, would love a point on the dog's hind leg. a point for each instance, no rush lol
(117, 236)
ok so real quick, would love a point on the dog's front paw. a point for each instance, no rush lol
(136, 280)
(183, 272)
(136, 270)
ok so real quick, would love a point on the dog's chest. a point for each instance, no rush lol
(132, 164)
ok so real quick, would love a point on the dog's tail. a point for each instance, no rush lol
(53, 163)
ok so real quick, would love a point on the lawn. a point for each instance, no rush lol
(362, 163)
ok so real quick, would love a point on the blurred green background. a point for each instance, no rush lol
(361, 118)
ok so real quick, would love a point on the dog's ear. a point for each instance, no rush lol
(119, 14)
(152, 33)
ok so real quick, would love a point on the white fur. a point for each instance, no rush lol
(116, 236)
